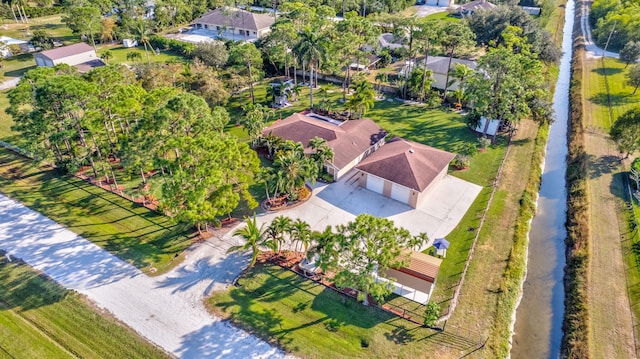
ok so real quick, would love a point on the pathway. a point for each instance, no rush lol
(168, 309)
(591, 49)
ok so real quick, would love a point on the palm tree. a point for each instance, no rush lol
(300, 232)
(142, 33)
(253, 236)
(380, 78)
(276, 233)
(362, 99)
(312, 50)
(460, 72)
(321, 152)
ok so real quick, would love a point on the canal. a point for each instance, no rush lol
(538, 326)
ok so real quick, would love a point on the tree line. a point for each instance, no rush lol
(109, 122)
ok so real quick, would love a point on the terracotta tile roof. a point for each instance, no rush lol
(421, 265)
(348, 141)
(66, 51)
(237, 18)
(407, 163)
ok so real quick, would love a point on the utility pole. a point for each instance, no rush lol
(609, 39)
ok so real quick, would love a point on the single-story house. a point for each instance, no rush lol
(390, 41)
(473, 6)
(6, 43)
(417, 278)
(351, 141)
(439, 66)
(367, 63)
(235, 24)
(404, 170)
(81, 55)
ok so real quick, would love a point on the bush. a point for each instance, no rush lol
(180, 47)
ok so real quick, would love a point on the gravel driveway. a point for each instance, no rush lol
(168, 310)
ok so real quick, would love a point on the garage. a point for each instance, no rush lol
(432, 2)
(375, 184)
(400, 193)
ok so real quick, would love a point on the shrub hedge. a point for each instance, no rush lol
(180, 47)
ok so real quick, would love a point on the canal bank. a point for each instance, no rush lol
(539, 315)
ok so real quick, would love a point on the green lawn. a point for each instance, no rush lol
(146, 239)
(595, 91)
(314, 322)
(40, 319)
(119, 54)
(52, 24)
(443, 16)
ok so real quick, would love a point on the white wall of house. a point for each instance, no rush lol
(77, 59)
(240, 31)
(439, 80)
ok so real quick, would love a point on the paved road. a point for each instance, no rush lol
(10, 83)
(168, 309)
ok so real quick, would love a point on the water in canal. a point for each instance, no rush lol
(538, 326)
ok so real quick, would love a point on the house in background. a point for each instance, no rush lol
(473, 6)
(417, 278)
(235, 24)
(80, 55)
(404, 170)
(351, 141)
(439, 66)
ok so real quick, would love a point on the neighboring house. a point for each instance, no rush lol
(390, 41)
(80, 55)
(404, 170)
(367, 63)
(440, 3)
(473, 6)
(351, 141)
(532, 10)
(439, 65)
(235, 24)
(417, 278)
(6, 43)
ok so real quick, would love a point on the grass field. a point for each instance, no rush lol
(119, 54)
(314, 322)
(146, 239)
(40, 319)
(595, 91)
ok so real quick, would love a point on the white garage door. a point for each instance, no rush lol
(400, 193)
(375, 184)
(432, 2)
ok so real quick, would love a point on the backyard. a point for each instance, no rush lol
(40, 319)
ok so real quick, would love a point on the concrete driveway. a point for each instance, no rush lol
(426, 10)
(341, 202)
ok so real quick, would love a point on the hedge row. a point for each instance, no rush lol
(575, 341)
(180, 47)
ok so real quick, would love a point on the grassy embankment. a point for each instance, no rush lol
(575, 341)
(40, 319)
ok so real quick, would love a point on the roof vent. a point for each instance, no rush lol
(411, 150)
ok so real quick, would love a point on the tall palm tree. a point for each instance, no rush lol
(300, 232)
(460, 72)
(254, 238)
(277, 231)
(142, 32)
(311, 49)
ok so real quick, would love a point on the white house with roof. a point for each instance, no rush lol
(80, 55)
(235, 24)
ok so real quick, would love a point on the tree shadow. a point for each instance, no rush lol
(222, 340)
(400, 335)
(602, 165)
(617, 99)
(609, 71)
(23, 288)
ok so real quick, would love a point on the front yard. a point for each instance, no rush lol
(311, 321)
